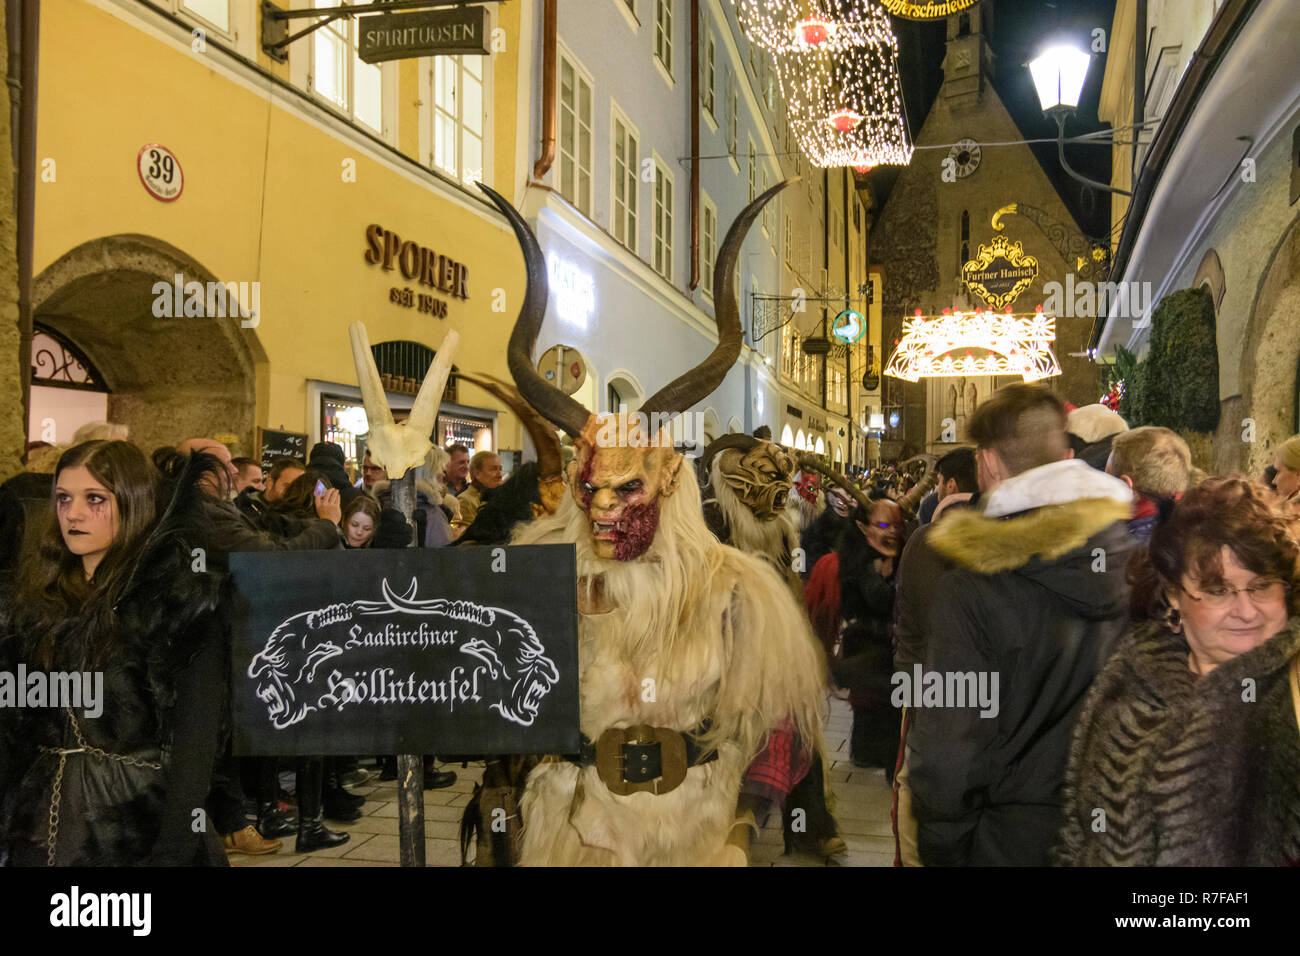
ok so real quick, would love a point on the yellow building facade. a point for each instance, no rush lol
(176, 156)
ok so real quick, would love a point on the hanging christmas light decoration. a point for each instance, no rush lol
(813, 31)
(837, 65)
(945, 345)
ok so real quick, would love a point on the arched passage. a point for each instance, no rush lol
(168, 378)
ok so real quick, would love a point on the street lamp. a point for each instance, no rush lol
(1058, 74)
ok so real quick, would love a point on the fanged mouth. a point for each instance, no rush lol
(780, 499)
(606, 530)
(533, 698)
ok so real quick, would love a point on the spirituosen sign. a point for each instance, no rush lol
(398, 36)
(999, 272)
(409, 650)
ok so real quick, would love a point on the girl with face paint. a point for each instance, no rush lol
(111, 597)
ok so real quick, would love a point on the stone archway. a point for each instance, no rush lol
(1268, 363)
(168, 378)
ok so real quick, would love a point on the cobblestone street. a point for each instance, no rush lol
(861, 807)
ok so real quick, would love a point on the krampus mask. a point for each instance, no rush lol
(626, 465)
(757, 471)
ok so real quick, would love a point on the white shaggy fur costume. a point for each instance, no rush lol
(722, 638)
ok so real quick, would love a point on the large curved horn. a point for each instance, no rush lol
(553, 404)
(808, 461)
(911, 501)
(539, 429)
(685, 390)
(745, 443)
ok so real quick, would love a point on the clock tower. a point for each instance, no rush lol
(942, 209)
(968, 62)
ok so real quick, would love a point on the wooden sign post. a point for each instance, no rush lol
(410, 767)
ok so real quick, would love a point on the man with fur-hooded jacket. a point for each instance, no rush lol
(1028, 616)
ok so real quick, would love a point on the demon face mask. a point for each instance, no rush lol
(626, 464)
(619, 479)
(760, 477)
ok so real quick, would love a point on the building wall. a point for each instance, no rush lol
(1174, 31)
(671, 322)
(279, 190)
(13, 438)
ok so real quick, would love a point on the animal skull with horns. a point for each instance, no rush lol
(625, 466)
(402, 446)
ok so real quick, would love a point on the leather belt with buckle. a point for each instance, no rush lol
(643, 759)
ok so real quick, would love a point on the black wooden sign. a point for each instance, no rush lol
(451, 650)
(396, 36)
(273, 444)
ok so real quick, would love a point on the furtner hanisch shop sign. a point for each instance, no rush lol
(396, 36)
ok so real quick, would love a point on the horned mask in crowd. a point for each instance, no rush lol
(809, 463)
(550, 471)
(400, 447)
(808, 485)
(625, 463)
(758, 471)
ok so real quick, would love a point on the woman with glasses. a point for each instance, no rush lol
(1188, 750)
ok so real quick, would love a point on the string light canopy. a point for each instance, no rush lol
(837, 66)
(976, 343)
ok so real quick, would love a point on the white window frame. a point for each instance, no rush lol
(661, 243)
(428, 145)
(302, 67)
(663, 42)
(733, 121)
(627, 8)
(182, 10)
(708, 63)
(579, 162)
(708, 241)
(753, 171)
(631, 217)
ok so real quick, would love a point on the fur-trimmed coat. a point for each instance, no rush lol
(164, 703)
(1037, 599)
(1168, 769)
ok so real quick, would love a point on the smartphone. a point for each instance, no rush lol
(320, 488)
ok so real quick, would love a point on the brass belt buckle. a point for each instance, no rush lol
(611, 757)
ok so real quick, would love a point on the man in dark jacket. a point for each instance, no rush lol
(1030, 612)
(328, 458)
(919, 569)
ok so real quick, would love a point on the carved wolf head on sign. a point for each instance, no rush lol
(327, 659)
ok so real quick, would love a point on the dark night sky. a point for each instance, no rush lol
(1020, 29)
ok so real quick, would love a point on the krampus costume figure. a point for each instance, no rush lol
(690, 652)
(745, 506)
(745, 501)
(807, 502)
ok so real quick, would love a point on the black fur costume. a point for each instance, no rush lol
(164, 702)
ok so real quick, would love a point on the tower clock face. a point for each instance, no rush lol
(965, 153)
(926, 9)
